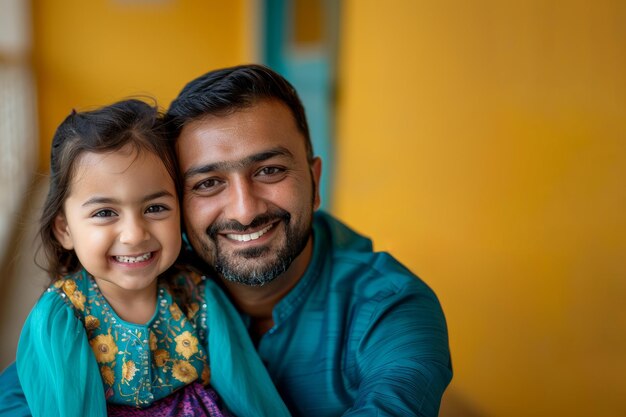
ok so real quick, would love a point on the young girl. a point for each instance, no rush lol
(120, 330)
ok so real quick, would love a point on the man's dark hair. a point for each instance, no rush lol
(227, 90)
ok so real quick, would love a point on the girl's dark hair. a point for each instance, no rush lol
(129, 122)
(227, 90)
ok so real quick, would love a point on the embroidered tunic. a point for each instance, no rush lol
(74, 351)
(141, 364)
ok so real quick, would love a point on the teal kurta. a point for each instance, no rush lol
(358, 335)
(75, 351)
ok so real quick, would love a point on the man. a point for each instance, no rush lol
(342, 330)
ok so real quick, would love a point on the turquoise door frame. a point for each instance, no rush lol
(311, 70)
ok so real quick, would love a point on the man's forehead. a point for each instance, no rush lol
(206, 127)
(237, 135)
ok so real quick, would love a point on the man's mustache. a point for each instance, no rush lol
(272, 216)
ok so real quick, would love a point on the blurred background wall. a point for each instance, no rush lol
(482, 143)
(92, 53)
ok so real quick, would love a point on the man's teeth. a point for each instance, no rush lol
(251, 236)
(134, 259)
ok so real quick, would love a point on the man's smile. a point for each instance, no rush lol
(245, 237)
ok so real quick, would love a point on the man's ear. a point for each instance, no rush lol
(316, 172)
(61, 231)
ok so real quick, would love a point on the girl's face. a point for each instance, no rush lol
(122, 219)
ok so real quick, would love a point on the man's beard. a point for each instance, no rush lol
(238, 265)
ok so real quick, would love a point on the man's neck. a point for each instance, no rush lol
(259, 302)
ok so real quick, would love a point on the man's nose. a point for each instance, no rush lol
(134, 231)
(244, 203)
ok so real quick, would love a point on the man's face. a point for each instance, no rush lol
(249, 191)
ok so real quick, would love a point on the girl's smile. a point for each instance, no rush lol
(125, 259)
(136, 263)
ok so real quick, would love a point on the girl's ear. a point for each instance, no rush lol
(62, 232)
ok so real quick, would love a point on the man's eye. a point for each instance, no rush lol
(207, 184)
(270, 171)
(104, 213)
(156, 208)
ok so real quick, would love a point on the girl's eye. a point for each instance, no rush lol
(104, 213)
(156, 208)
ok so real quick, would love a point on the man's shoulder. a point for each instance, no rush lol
(338, 235)
(375, 274)
(357, 268)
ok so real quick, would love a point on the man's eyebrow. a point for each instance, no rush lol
(97, 200)
(231, 165)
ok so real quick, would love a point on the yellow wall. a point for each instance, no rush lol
(484, 144)
(90, 53)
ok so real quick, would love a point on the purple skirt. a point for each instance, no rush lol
(190, 401)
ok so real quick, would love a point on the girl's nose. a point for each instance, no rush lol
(133, 232)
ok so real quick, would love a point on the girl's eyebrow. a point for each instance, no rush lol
(228, 166)
(107, 200)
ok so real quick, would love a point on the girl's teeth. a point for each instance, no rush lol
(251, 236)
(134, 259)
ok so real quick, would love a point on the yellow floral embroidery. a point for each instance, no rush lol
(186, 344)
(128, 370)
(104, 348)
(69, 286)
(153, 341)
(58, 283)
(176, 313)
(184, 372)
(78, 299)
(161, 357)
(107, 375)
(192, 310)
(206, 375)
(91, 322)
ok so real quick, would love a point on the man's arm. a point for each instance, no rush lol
(403, 359)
